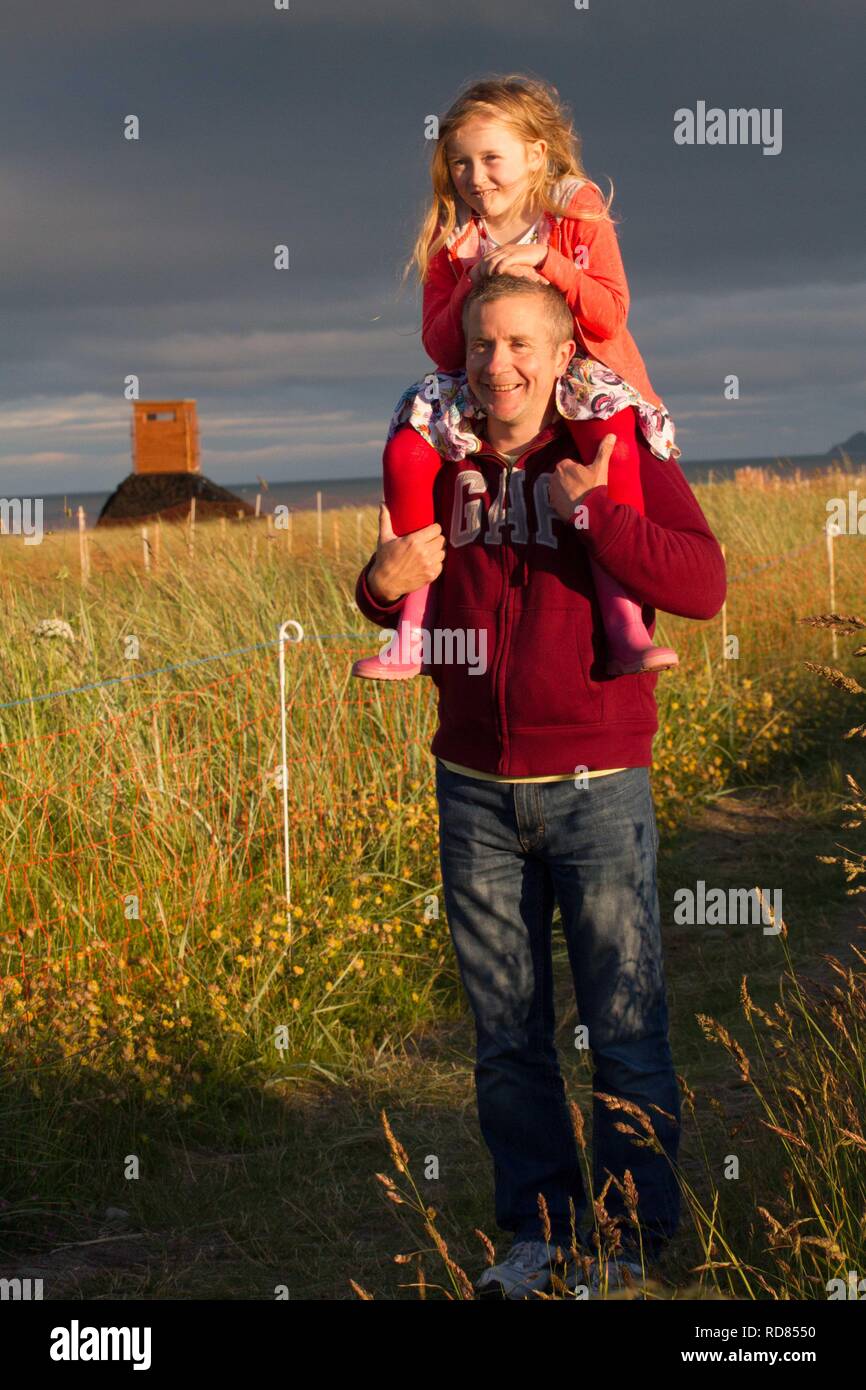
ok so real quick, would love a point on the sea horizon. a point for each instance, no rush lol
(300, 494)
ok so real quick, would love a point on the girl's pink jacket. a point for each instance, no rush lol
(592, 279)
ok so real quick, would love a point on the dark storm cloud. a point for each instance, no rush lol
(306, 127)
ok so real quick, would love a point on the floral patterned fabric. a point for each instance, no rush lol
(442, 408)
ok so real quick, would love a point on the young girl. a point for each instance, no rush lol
(511, 196)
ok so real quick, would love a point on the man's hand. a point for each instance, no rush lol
(570, 480)
(404, 563)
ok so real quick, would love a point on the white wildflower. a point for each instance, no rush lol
(54, 627)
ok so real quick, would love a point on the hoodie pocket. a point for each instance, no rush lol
(549, 680)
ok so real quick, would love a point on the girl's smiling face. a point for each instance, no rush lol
(490, 166)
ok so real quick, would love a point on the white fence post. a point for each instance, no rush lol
(84, 556)
(832, 532)
(284, 768)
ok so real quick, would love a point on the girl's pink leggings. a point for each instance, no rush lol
(410, 466)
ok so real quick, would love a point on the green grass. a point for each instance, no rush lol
(155, 1035)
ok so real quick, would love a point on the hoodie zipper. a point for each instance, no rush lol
(499, 662)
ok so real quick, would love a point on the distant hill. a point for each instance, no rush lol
(855, 447)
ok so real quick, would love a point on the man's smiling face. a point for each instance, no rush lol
(511, 363)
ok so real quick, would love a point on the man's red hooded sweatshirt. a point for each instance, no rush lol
(520, 576)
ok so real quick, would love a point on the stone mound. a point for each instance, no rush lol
(144, 496)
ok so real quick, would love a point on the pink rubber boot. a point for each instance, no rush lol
(415, 615)
(629, 645)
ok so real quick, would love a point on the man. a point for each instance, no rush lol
(542, 778)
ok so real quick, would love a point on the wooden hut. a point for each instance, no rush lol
(165, 437)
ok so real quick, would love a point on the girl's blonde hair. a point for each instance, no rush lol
(534, 111)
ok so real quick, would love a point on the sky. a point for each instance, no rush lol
(305, 127)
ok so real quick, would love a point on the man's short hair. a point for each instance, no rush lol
(556, 312)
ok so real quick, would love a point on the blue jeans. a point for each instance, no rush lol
(507, 851)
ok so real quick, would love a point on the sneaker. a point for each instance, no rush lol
(614, 1276)
(527, 1267)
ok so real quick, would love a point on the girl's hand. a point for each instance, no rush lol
(481, 270)
(505, 260)
(525, 272)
